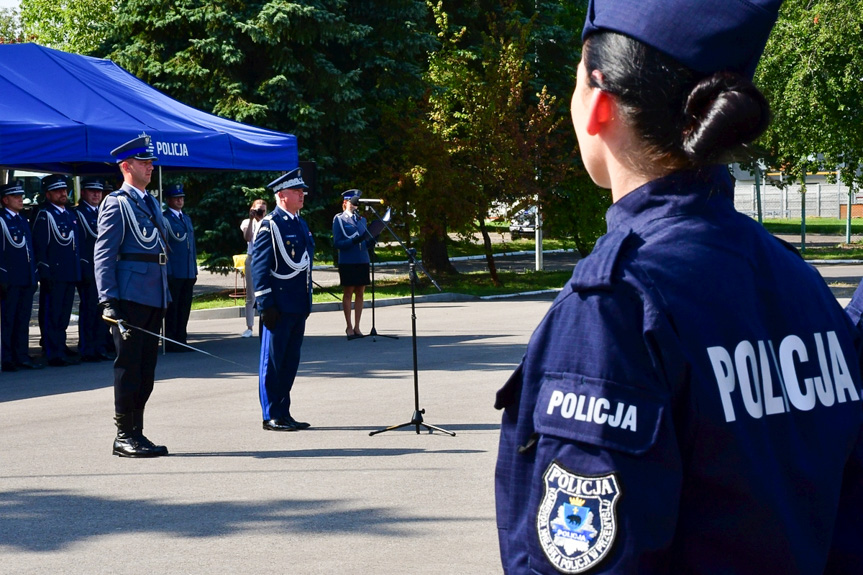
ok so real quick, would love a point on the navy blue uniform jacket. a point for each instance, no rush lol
(88, 230)
(18, 266)
(127, 226)
(282, 258)
(691, 403)
(182, 260)
(345, 230)
(56, 244)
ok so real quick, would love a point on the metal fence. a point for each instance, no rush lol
(822, 200)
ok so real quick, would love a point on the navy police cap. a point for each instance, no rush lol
(289, 181)
(54, 182)
(706, 35)
(350, 194)
(175, 191)
(14, 188)
(92, 184)
(140, 149)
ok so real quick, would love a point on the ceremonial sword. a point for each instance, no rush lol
(124, 327)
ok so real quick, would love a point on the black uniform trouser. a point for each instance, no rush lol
(15, 313)
(56, 309)
(135, 366)
(177, 316)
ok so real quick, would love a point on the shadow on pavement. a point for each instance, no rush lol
(34, 520)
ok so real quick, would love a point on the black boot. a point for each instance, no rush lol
(139, 430)
(127, 443)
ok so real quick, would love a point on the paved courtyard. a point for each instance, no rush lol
(232, 498)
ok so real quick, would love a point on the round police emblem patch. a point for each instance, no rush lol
(576, 521)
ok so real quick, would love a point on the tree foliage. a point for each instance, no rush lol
(812, 74)
(69, 25)
(318, 69)
(498, 140)
(10, 26)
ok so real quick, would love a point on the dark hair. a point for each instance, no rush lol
(685, 119)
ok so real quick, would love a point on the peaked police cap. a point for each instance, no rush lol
(13, 188)
(54, 182)
(175, 191)
(289, 181)
(92, 184)
(140, 149)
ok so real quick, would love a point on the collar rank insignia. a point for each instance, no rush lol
(577, 521)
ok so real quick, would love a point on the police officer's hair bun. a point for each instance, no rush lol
(726, 112)
(684, 119)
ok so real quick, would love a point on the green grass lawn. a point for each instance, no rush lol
(813, 226)
(477, 284)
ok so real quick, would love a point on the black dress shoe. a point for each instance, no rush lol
(90, 358)
(298, 424)
(133, 447)
(59, 362)
(29, 364)
(106, 356)
(279, 425)
(159, 450)
(8, 366)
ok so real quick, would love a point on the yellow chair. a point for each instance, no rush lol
(239, 270)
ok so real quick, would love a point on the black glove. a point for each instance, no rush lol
(357, 239)
(45, 285)
(4, 289)
(270, 317)
(111, 310)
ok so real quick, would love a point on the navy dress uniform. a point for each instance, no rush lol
(691, 402)
(131, 275)
(17, 282)
(55, 241)
(282, 257)
(351, 236)
(92, 331)
(182, 270)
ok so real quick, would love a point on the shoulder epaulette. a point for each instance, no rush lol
(596, 271)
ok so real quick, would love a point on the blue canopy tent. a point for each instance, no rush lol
(64, 113)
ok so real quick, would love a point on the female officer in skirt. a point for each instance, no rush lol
(691, 401)
(352, 239)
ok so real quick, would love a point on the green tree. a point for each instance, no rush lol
(77, 26)
(317, 69)
(812, 74)
(507, 143)
(10, 26)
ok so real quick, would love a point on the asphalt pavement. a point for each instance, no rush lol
(232, 498)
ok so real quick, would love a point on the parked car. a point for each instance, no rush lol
(523, 223)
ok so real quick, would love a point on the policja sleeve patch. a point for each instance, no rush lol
(602, 413)
(577, 518)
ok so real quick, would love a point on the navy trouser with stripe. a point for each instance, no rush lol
(280, 359)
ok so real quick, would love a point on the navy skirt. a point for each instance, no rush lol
(354, 275)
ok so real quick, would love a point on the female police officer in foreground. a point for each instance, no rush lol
(691, 401)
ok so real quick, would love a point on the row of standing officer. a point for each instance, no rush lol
(60, 237)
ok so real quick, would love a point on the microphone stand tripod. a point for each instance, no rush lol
(417, 417)
(374, 332)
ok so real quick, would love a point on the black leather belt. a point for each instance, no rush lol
(160, 259)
